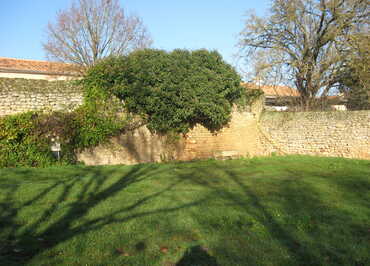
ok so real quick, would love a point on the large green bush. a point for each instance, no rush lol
(21, 143)
(171, 91)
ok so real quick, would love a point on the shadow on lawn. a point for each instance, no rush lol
(22, 242)
(89, 192)
(300, 201)
(198, 256)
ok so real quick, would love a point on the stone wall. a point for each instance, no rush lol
(337, 133)
(238, 139)
(137, 146)
(21, 95)
(48, 77)
(340, 133)
(249, 133)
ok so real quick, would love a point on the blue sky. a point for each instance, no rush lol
(190, 24)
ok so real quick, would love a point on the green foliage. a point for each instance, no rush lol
(25, 139)
(171, 91)
(20, 143)
(355, 77)
(93, 127)
(358, 90)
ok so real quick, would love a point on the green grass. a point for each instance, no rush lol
(294, 210)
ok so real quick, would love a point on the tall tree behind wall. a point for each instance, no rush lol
(355, 79)
(304, 43)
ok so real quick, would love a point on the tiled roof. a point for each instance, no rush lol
(14, 65)
(273, 90)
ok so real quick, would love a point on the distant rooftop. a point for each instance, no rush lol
(13, 65)
(271, 90)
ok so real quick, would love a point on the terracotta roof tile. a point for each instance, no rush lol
(36, 66)
(273, 90)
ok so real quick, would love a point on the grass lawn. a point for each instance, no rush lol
(294, 210)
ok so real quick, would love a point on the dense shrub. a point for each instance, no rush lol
(25, 139)
(20, 143)
(171, 91)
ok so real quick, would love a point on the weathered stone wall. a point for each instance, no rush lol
(35, 76)
(337, 133)
(340, 133)
(21, 95)
(238, 139)
(137, 146)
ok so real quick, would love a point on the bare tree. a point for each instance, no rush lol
(304, 42)
(355, 79)
(93, 29)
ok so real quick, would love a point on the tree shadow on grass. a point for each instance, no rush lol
(197, 256)
(22, 241)
(302, 203)
(79, 195)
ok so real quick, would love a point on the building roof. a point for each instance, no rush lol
(273, 90)
(13, 65)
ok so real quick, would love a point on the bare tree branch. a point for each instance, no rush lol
(93, 29)
(307, 40)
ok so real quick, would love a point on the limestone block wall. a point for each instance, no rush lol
(341, 134)
(238, 139)
(35, 76)
(137, 146)
(21, 95)
(337, 133)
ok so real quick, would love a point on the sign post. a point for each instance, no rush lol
(55, 147)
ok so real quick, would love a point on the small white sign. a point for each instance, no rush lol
(55, 146)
